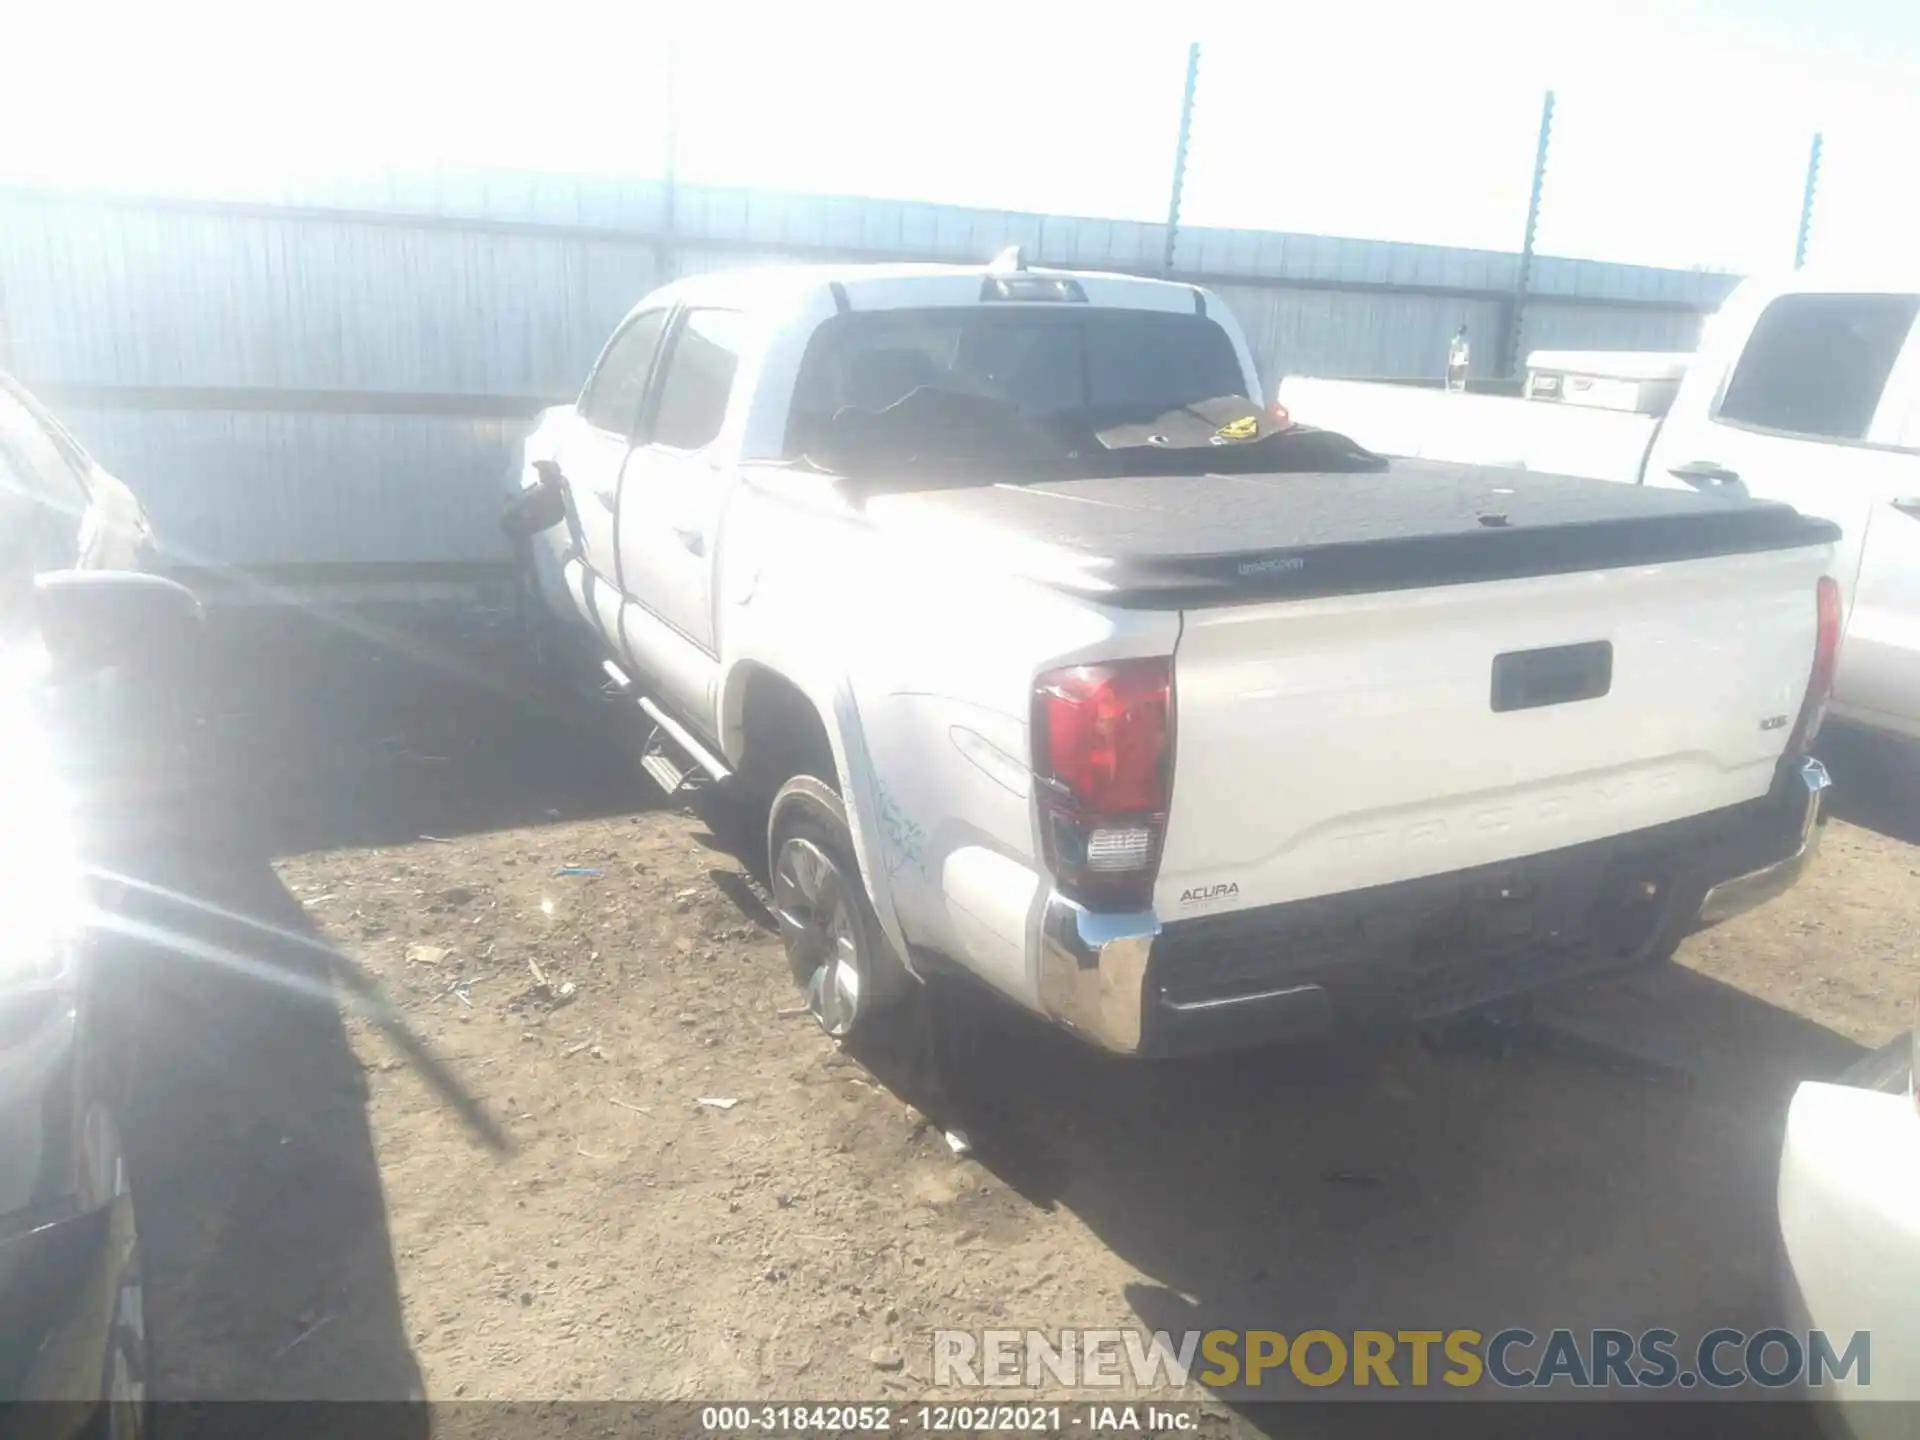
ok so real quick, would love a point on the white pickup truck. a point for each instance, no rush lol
(1805, 389)
(1050, 656)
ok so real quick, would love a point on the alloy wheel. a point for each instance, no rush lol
(813, 901)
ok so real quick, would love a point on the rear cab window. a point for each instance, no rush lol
(1817, 365)
(1099, 366)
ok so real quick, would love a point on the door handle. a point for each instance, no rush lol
(1710, 478)
(1704, 475)
(692, 541)
(1908, 505)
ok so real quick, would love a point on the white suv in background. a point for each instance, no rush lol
(1807, 390)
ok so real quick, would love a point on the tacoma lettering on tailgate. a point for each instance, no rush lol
(1528, 813)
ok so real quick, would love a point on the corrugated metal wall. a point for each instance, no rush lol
(100, 295)
(260, 488)
(337, 376)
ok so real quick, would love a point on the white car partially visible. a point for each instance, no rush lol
(1805, 390)
(1850, 1236)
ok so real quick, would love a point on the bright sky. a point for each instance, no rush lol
(1681, 134)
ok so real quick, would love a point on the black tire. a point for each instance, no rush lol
(839, 954)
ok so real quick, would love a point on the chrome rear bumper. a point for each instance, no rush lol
(1094, 970)
(1756, 887)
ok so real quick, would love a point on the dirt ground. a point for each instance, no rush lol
(695, 1194)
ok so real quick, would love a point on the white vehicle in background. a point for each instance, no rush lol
(1849, 1201)
(1608, 410)
(1805, 390)
(1039, 651)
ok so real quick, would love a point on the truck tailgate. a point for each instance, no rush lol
(1333, 743)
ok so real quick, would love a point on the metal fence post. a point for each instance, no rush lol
(1517, 307)
(666, 254)
(1806, 202)
(1180, 157)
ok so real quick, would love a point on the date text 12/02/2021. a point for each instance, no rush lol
(946, 1419)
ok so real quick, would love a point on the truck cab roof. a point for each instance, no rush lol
(901, 286)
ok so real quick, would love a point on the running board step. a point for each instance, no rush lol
(681, 736)
(674, 760)
(663, 772)
(619, 683)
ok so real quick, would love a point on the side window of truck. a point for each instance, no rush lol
(698, 379)
(1817, 365)
(612, 398)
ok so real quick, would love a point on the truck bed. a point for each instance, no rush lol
(1187, 540)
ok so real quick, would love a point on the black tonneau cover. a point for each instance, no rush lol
(1170, 541)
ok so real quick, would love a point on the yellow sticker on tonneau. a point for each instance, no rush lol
(1245, 428)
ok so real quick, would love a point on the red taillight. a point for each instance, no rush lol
(1278, 414)
(1826, 660)
(1103, 756)
(1106, 733)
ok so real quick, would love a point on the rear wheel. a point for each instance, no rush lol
(833, 940)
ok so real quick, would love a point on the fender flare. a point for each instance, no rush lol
(839, 713)
(859, 792)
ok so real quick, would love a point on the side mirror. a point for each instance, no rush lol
(96, 619)
(539, 506)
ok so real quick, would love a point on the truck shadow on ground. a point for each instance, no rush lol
(269, 1271)
(1876, 782)
(331, 738)
(1393, 1183)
